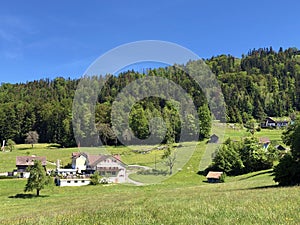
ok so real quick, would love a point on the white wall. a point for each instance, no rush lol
(73, 183)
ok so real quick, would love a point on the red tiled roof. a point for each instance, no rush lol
(29, 160)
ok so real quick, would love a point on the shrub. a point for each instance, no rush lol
(287, 172)
(95, 178)
(246, 156)
(222, 178)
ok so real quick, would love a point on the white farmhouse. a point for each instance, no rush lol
(108, 166)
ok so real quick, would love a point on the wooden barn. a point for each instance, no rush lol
(214, 177)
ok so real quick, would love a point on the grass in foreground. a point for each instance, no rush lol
(247, 199)
(183, 199)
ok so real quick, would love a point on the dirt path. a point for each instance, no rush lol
(133, 170)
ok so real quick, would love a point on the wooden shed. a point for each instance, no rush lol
(213, 177)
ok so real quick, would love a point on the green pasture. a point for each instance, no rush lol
(183, 198)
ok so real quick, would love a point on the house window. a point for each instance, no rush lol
(76, 181)
(68, 181)
(83, 181)
(102, 173)
(113, 173)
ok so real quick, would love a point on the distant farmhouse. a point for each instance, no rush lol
(270, 122)
(265, 142)
(84, 164)
(23, 162)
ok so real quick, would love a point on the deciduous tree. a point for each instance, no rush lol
(37, 178)
(32, 138)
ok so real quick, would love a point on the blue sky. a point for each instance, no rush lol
(47, 39)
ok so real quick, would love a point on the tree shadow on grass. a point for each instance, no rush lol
(264, 187)
(28, 196)
(25, 148)
(54, 146)
(258, 174)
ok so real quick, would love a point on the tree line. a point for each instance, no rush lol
(261, 83)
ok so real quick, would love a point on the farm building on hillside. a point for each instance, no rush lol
(280, 147)
(270, 122)
(265, 142)
(107, 165)
(23, 162)
(213, 139)
(214, 177)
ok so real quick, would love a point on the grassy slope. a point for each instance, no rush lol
(182, 199)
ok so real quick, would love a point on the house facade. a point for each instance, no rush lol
(270, 122)
(79, 161)
(72, 182)
(23, 162)
(108, 166)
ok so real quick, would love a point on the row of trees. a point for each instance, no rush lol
(263, 82)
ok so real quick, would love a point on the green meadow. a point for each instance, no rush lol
(184, 198)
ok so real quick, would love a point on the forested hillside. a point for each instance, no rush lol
(263, 82)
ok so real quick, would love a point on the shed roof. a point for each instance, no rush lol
(214, 175)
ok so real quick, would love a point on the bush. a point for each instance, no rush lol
(95, 178)
(104, 180)
(235, 158)
(287, 172)
(222, 178)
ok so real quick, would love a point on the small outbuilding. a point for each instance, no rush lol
(265, 142)
(280, 147)
(214, 177)
(213, 139)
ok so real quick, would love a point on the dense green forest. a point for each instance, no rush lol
(261, 83)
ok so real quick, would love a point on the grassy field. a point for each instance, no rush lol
(247, 199)
(184, 198)
(273, 134)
